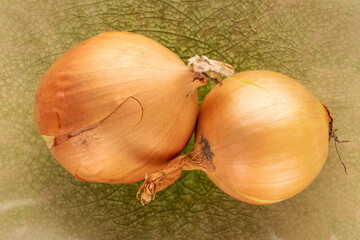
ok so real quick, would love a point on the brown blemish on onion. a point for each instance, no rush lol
(206, 150)
(331, 131)
(58, 120)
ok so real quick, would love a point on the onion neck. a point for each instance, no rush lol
(199, 159)
(208, 68)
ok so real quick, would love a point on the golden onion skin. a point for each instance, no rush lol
(119, 105)
(268, 134)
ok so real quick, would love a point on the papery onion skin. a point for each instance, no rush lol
(119, 105)
(268, 134)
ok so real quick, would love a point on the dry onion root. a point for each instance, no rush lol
(261, 137)
(120, 105)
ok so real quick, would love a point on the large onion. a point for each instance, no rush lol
(117, 106)
(261, 137)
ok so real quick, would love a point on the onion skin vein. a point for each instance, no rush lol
(257, 200)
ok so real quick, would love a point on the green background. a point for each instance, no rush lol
(315, 42)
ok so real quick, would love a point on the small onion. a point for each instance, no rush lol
(117, 106)
(261, 137)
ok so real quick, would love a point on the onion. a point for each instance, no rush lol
(261, 137)
(119, 105)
